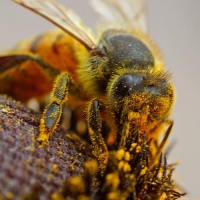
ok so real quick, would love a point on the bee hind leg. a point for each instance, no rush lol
(52, 113)
(94, 123)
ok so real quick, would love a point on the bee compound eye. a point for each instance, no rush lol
(127, 83)
(122, 85)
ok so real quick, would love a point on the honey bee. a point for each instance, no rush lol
(117, 77)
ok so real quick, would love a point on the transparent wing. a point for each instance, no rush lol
(133, 11)
(61, 17)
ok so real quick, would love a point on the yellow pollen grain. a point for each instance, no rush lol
(121, 165)
(91, 166)
(43, 139)
(83, 197)
(127, 167)
(120, 154)
(163, 197)
(133, 115)
(53, 114)
(9, 195)
(56, 196)
(113, 179)
(54, 168)
(113, 196)
(138, 149)
(77, 184)
(143, 171)
(127, 156)
(133, 145)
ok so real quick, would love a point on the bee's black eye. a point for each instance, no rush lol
(126, 84)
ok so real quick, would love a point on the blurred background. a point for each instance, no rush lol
(175, 26)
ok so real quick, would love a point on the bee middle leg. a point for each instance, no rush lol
(94, 124)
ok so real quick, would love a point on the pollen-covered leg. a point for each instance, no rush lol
(126, 131)
(164, 140)
(53, 111)
(94, 123)
(124, 135)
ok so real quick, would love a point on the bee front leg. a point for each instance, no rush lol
(52, 113)
(94, 123)
(164, 140)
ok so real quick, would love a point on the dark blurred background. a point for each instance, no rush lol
(175, 27)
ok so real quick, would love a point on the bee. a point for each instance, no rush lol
(117, 77)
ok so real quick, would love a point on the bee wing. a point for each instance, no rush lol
(62, 17)
(132, 11)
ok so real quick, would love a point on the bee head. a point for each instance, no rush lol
(118, 49)
(138, 92)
